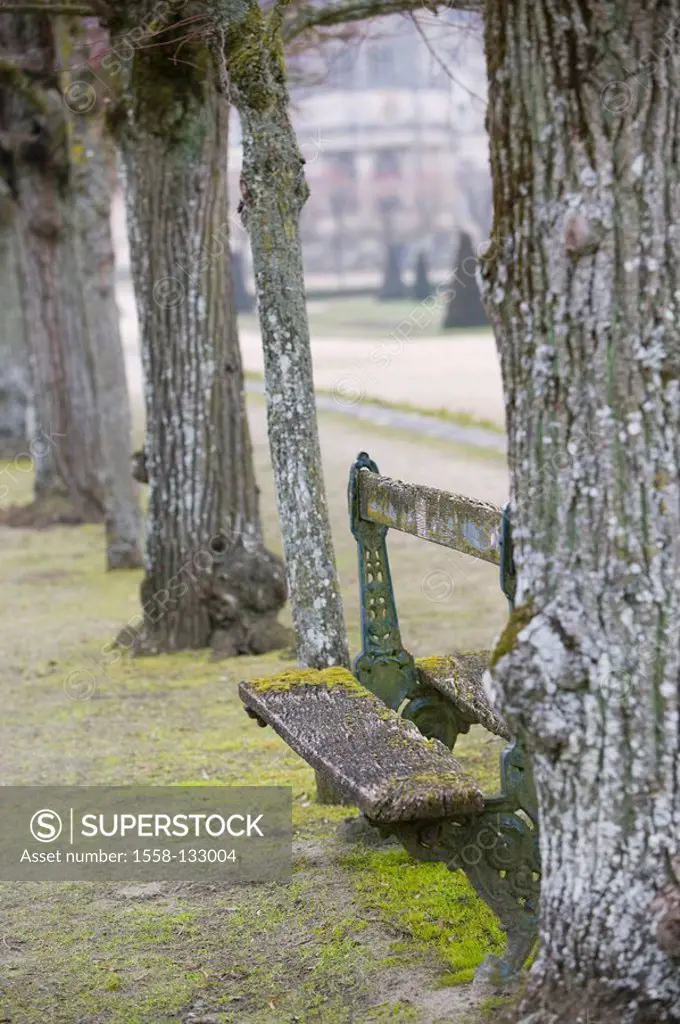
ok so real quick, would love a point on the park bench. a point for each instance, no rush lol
(383, 734)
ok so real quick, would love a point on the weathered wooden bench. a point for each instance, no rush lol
(397, 768)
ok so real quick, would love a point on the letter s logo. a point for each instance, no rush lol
(46, 826)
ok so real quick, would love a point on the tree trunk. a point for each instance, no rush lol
(57, 166)
(464, 307)
(582, 286)
(14, 394)
(393, 288)
(274, 191)
(35, 168)
(61, 370)
(209, 578)
(92, 161)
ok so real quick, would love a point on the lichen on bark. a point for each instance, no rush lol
(582, 289)
(274, 191)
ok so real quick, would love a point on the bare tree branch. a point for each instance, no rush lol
(78, 10)
(339, 12)
(438, 60)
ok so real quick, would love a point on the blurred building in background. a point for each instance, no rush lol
(391, 125)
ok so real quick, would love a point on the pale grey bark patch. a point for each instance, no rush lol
(582, 288)
(14, 380)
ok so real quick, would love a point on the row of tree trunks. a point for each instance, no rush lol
(582, 285)
(60, 358)
(58, 168)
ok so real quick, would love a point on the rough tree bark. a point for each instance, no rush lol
(274, 191)
(92, 164)
(14, 393)
(582, 285)
(209, 578)
(61, 377)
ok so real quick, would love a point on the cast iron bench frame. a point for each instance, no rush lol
(422, 690)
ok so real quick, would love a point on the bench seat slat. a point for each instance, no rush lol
(376, 759)
(452, 520)
(459, 678)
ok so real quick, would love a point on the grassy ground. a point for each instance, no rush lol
(361, 934)
(362, 316)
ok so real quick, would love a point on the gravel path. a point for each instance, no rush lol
(459, 373)
(413, 422)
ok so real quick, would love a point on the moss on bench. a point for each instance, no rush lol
(459, 678)
(376, 759)
(326, 677)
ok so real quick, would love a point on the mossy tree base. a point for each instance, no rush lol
(572, 1004)
(230, 604)
(49, 510)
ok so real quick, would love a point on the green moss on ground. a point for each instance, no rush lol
(433, 907)
(76, 711)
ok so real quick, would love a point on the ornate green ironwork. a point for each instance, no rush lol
(435, 716)
(384, 666)
(498, 851)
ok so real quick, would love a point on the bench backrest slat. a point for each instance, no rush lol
(452, 520)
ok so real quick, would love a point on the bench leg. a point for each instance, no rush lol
(499, 855)
(498, 851)
(384, 666)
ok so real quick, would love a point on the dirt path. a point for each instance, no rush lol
(460, 373)
(474, 380)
